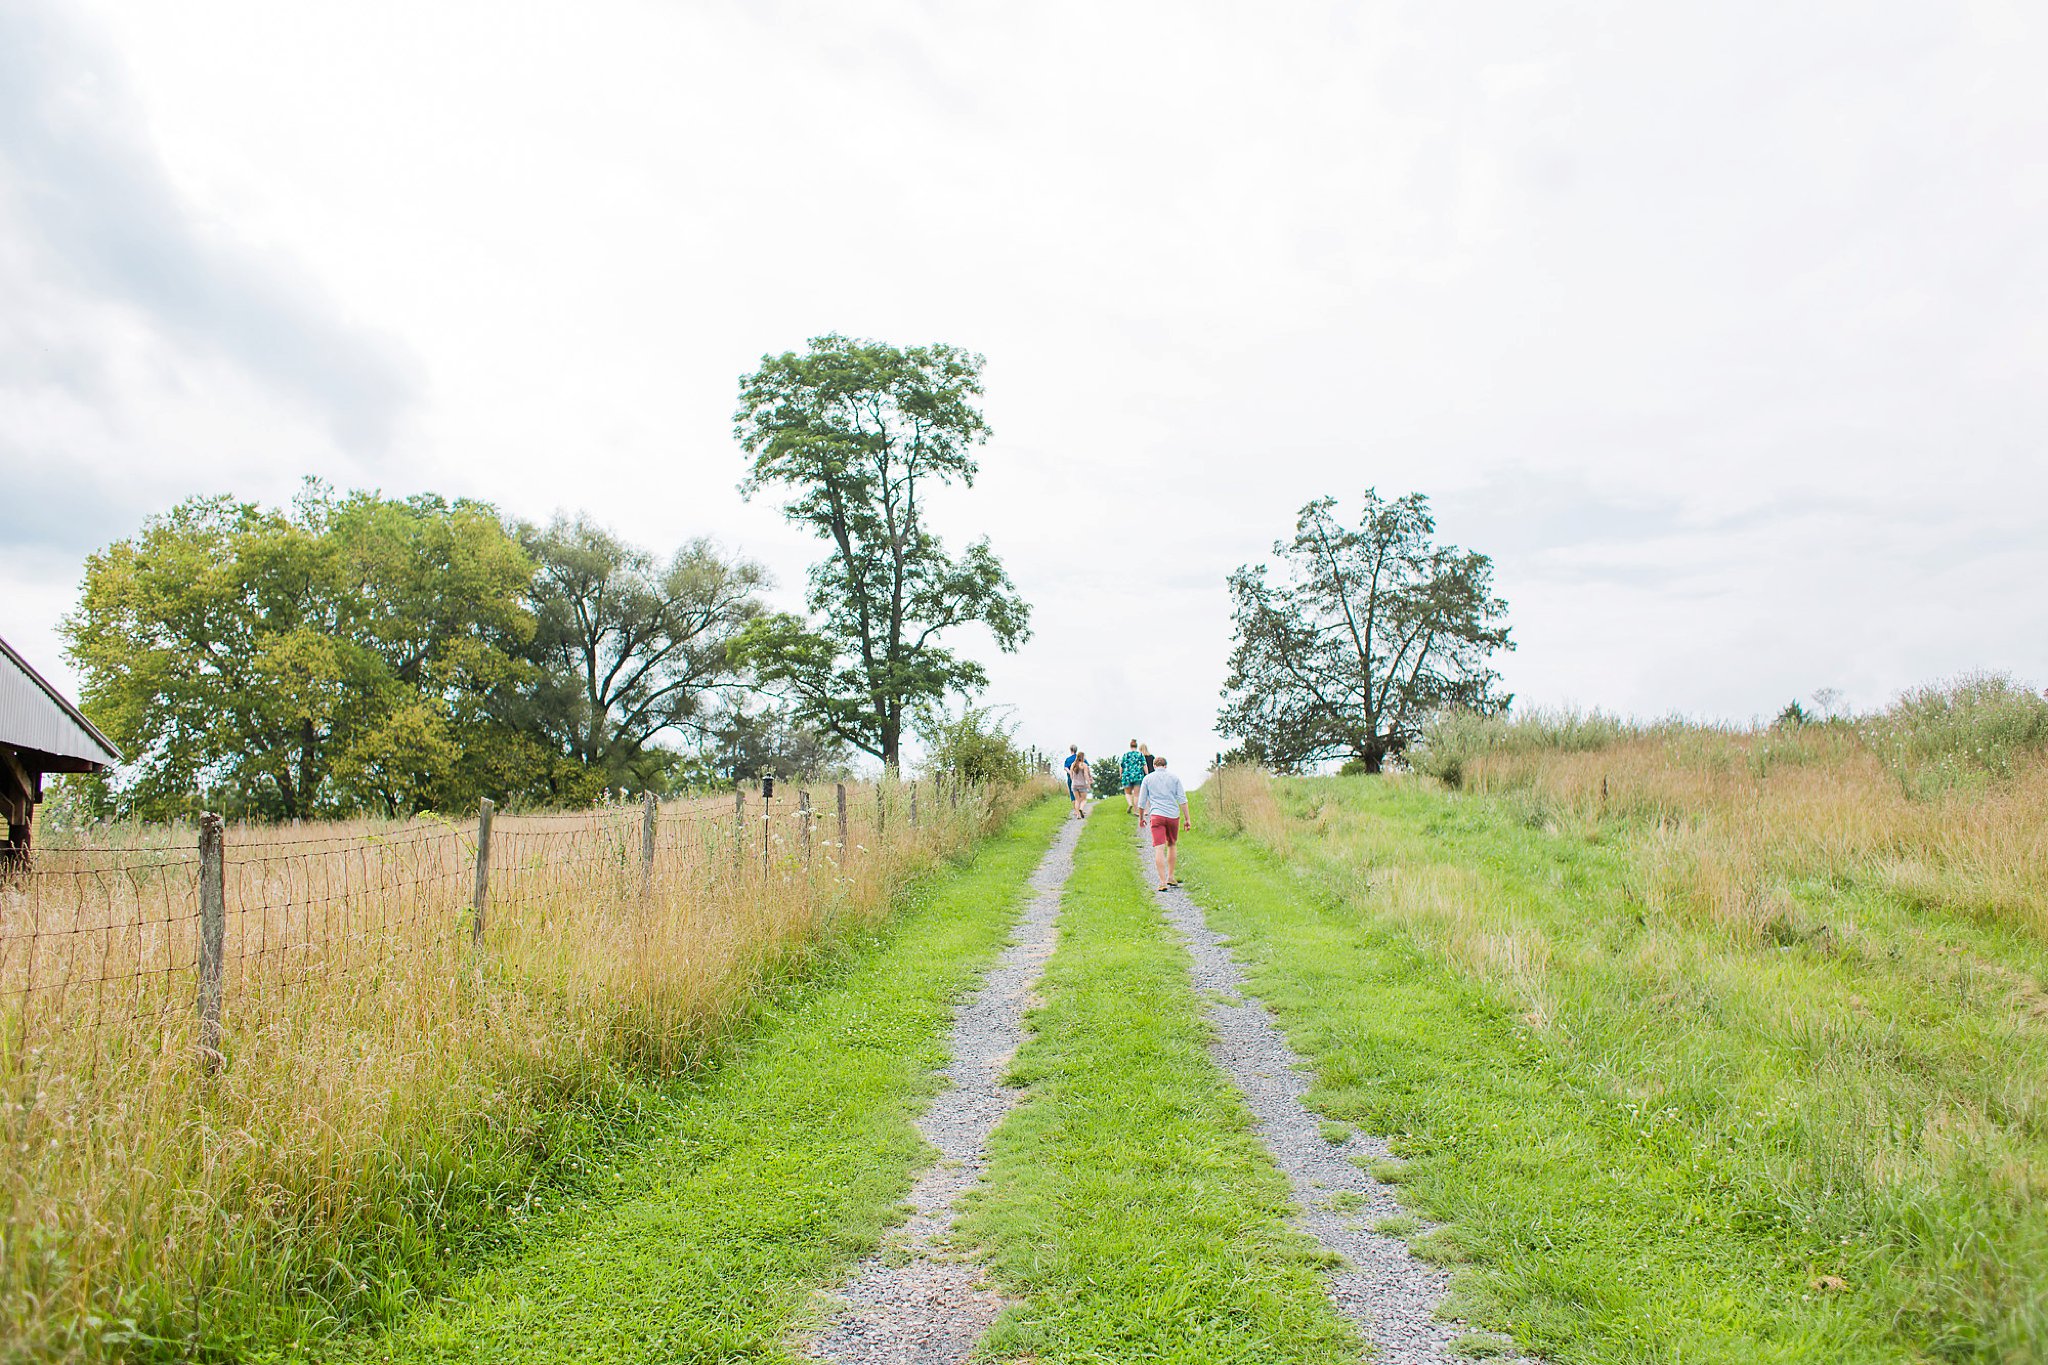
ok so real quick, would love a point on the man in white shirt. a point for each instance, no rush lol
(1165, 803)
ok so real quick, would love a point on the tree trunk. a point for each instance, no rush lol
(1374, 758)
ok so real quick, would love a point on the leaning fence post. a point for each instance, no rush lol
(648, 816)
(803, 821)
(480, 901)
(842, 823)
(213, 929)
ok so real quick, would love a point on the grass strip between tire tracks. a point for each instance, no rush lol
(1127, 1197)
(770, 1178)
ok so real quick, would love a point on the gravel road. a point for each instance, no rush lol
(929, 1307)
(1391, 1296)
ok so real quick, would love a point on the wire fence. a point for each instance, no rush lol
(206, 929)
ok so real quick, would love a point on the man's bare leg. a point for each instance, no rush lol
(1172, 862)
(1160, 853)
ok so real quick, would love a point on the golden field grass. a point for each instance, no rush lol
(389, 1086)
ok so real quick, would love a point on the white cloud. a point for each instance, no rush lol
(1720, 327)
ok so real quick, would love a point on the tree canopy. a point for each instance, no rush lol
(855, 433)
(365, 654)
(631, 646)
(1363, 633)
(347, 654)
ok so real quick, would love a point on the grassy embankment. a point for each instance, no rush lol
(395, 1101)
(1127, 1200)
(762, 1181)
(1707, 1046)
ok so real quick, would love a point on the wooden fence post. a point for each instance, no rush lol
(842, 824)
(739, 826)
(767, 826)
(881, 807)
(213, 928)
(648, 815)
(953, 793)
(480, 900)
(803, 820)
(913, 803)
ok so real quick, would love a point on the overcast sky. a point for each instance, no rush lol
(1722, 327)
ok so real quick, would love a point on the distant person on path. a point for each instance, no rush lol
(1131, 768)
(1081, 782)
(1165, 802)
(1073, 752)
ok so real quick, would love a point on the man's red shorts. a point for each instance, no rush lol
(1165, 829)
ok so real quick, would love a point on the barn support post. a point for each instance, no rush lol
(20, 789)
(213, 927)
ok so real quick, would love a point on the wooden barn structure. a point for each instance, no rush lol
(40, 732)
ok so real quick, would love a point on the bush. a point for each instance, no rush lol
(976, 747)
(1979, 727)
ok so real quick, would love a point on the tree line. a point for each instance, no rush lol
(357, 653)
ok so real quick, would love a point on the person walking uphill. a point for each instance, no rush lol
(1165, 802)
(1082, 782)
(1131, 768)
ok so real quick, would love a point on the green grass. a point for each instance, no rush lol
(757, 1183)
(1649, 1139)
(1127, 1197)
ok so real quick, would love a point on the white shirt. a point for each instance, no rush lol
(1162, 794)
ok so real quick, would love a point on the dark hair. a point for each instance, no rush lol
(1158, 762)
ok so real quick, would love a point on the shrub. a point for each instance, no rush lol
(1979, 727)
(978, 747)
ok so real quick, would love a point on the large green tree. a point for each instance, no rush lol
(856, 433)
(632, 646)
(1365, 632)
(351, 653)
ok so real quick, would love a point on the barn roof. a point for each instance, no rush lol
(36, 716)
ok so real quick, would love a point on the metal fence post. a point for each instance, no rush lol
(213, 926)
(480, 901)
(842, 824)
(648, 815)
(767, 827)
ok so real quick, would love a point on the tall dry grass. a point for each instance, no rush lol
(1738, 817)
(388, 1085)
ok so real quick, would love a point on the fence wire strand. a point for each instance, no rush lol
(98, 935)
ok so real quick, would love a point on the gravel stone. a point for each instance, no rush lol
(1391, 1295)
(934, 1306)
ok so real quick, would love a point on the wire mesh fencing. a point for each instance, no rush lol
(113, 941)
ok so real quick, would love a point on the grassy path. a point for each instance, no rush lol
(1127, 1199)
(772, 1176)
(1643, 1135)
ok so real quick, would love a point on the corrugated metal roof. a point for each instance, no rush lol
(35, 715)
